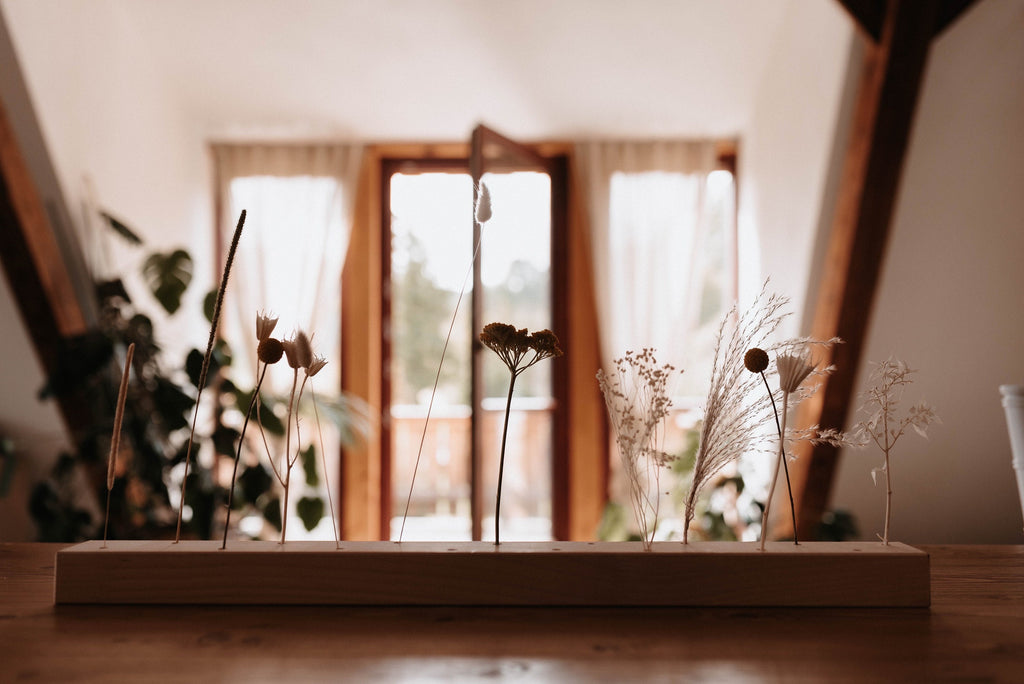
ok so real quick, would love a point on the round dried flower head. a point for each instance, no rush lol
(756, 360)
(270, 350)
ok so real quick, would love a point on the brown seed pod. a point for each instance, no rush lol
(270, 350)
(756, 360)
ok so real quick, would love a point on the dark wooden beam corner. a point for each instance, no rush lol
(869, 15)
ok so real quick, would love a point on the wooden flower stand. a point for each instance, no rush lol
(478, 573)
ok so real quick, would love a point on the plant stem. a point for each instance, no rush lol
(206, 360)
(437, 379)
(775, 475)
(288, 456)
(888, 499)
(789, 486)
(238, 455)
(501, 460)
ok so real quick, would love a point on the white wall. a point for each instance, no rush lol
(951, 297)
(785, 154)
(144, 158)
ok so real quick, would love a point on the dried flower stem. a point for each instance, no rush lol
(733, 414)
(789, 485)
(238, 455)
(115, 437)
(323, 460)
(780, 459)
(482, 215)
(206, 359)
(518, 350)
(884, 426)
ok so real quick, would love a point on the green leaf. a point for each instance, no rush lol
(272, 513)
(254, 482)
(224, 440)
(121, 229)
(310, 510)
(309, 466)
(209, 302)
(194, 367)
(171, 403)
(168, 276)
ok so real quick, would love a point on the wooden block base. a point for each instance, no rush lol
(861, 574)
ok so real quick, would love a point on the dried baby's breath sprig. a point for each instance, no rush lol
(884, 425)
(518, 350)
(218, 304)
(481, 214)
(734, 414)
(115, 436)
(638, 403)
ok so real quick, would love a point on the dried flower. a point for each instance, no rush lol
(270, 350)
(732, 414)
(793, 370)
(884, 425)
(115, 437)
(755, 360)
(264, 326)
(513, 346)
(290, 353)
(483, 204)
(317, 364)
(638, 404)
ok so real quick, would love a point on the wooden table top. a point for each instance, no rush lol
(974, 631)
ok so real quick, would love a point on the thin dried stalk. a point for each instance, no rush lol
(206, 359)
(735, 414)
(884, 424)
(115, 437)
(482, 214)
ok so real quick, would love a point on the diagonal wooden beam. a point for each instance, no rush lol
(888, 92)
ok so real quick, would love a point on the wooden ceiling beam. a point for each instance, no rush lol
(869, 15)
(890, 82)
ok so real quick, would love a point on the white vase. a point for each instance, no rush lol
(1013, 404)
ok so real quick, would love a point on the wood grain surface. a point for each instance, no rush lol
(974, 631)
(480, 573)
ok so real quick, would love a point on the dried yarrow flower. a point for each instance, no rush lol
(518, 350)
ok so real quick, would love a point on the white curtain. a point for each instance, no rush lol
(299, 205)
(299, 202)
(646, 206)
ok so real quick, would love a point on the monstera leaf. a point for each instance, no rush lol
(168, 276)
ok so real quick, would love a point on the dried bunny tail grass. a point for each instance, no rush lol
(218, 304)
(115, 437)
(735, 412)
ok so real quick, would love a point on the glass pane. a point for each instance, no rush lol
(431, 254)
(516, 274)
